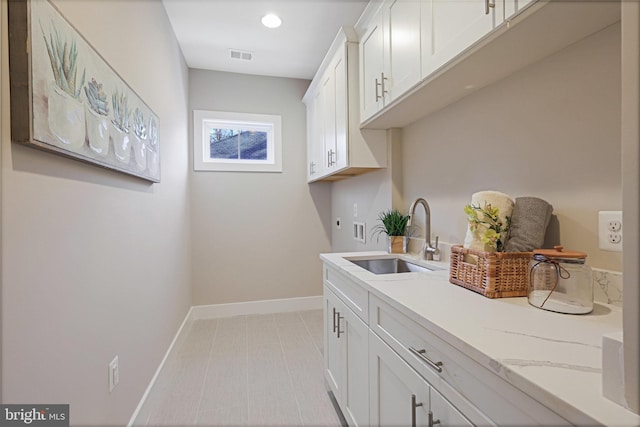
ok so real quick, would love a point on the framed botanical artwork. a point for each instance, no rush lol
(66, 99)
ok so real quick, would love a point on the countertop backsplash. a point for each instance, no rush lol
(607, 284)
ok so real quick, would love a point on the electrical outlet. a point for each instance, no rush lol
(359, 230)
(114, 374)
(610, 228)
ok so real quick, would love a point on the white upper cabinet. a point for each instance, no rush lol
(390, 55)
(402, 38)
(464, 45)
(371, 68)
(451, 26)
(336, 148)
(315, 138)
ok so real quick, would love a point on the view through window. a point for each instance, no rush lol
(225, 141)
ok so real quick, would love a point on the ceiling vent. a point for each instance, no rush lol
(240, 54)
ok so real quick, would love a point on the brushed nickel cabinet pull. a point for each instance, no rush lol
(421, 355)
(378, 84)
(488, 4)
(384, 91)
(414, 405)
(431, 421)
(331, 154)
(339, 331)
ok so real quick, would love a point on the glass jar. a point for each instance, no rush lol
(560, 281)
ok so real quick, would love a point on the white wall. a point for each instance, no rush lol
(551, 130)
(257, 236)
(96, 263)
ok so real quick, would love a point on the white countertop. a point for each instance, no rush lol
(554, 358)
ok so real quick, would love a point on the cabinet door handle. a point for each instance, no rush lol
(415, 405)
(384, 91)
(378, 84)
(339, 331)
(334, 319)
(331, 157)
(312, 167)
(488, 4)
(432, 422)
(421, 355)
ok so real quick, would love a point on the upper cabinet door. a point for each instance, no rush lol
(341, 156)
(328, 96)
(314, 123)
(451, 26)
(402, 47)
(371, 68)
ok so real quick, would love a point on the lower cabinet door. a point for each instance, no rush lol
(356, 389)
(334, 351)
(398, 395)
(445, 412)
(346, 359)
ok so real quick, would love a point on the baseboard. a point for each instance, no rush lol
(160, 367)
(228, 310)
(256, 307)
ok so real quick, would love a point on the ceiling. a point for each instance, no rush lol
(207, 29)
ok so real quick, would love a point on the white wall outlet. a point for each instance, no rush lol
(355, 210)
(610, 230)
(114, 374)
(359, 232)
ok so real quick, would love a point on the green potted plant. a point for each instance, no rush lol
(97, 117)
(139, 139)
(65, 112)
(121, 126)
(393, 223)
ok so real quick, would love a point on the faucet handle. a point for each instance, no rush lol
(432, 252)
(436, 251)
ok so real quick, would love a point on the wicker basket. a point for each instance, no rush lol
(495, 275)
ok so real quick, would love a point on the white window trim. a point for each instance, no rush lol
(202, 163)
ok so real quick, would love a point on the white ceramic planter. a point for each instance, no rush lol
(140, 152)
(97, 131)
(66, 118)
(121, 144)
(153, 154)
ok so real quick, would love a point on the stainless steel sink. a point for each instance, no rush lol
(389, 265)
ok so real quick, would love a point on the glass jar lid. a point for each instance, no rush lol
(558, 252)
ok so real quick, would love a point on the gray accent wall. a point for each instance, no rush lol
(257, 236)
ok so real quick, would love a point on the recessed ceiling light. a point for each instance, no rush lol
(271, 20)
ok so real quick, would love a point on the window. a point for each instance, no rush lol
(225, 141)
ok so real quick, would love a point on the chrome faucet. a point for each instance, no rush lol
(428, 251)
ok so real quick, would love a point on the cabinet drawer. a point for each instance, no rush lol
(353, 295)
(478, 393)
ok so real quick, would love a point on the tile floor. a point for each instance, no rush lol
(245, 371)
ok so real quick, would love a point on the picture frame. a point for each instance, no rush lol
(66, 99)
